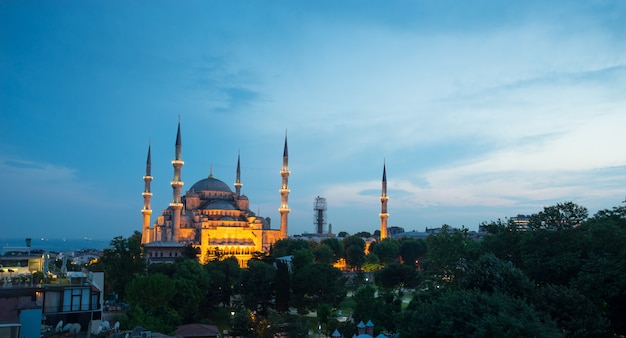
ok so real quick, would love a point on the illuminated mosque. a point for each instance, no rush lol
(210, 217)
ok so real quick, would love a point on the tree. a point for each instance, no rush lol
(257, 289)
(353, 241)
(192, 284)
(150, 299)
(365, 303)
(412, 250)
(324, 254)
(317, 283)
(150, 291)
(190, 252)
(242, 323)
(447, 256)
(224, 276)
(572, 312)
(553, 257)
(121, 262)
(302, 258)
(336, 246)
(162, 318)
(498, 227)
(354, 248)
(491, 274)
(397, 275)
(505, 242)
(323, 315)
(390, 309)
(372, 263)
(287, 246)
(560, 216)
(616, 216)
(601, 279)
(355, 257)
(363, 234)
(282, 286)
(387, 250)
(472, 313)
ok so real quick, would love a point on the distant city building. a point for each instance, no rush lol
(434, 231)
(521, 222)
(210, 217)
(391, 231)
(411, 234)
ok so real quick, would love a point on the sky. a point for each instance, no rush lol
(480, 110)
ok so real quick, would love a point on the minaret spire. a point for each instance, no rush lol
(147, 195)
(176, 205)
(383, 201)
(238, 184)
(284, 193)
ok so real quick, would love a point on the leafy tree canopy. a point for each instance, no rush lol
(472, 313)
(121, 262)
(387, 250)
(560, 216)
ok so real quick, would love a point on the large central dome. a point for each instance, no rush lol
(212, 184)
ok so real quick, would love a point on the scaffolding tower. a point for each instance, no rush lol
(319, 215)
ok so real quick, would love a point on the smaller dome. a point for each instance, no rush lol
(218, 205)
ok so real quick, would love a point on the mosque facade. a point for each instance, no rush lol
(210, 217)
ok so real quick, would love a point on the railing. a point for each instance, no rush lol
(60, 309)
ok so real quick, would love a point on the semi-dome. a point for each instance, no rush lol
(210, 183)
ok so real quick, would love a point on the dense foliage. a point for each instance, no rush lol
(565, 277)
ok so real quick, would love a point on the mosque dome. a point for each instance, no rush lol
(218, 205)
(210, 183)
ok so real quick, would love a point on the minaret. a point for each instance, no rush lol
(147, 195)
(284, 193)
(238, 184)
(383, 210)
(177, 185)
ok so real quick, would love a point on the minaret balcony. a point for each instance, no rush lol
(178, 162)
(177, 183)
(146, 194)
(146, 211)
(176, 205)
(283, 209)
(284, 191)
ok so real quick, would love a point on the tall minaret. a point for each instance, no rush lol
(177, 185)
(146, 211)
(383, 210)
(284, 193)
(238, 184)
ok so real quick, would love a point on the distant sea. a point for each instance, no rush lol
(56, 244)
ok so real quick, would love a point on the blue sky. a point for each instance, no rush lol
(481, 110)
